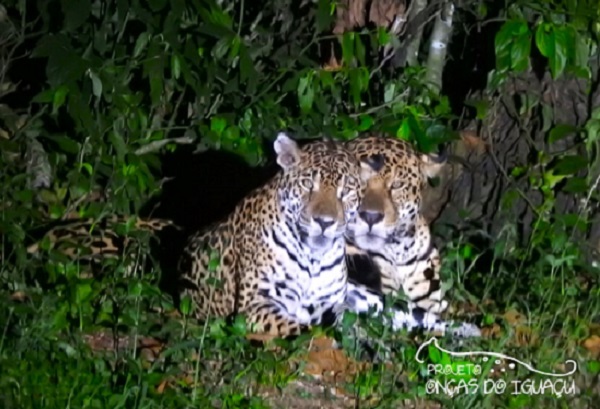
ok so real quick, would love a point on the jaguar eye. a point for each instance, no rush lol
(397, 184)
(306, 183)
(349, 186)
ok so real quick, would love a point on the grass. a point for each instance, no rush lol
(118, 342)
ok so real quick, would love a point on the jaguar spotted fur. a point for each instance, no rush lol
(389, 243)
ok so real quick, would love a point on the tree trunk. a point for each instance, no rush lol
(487, 193)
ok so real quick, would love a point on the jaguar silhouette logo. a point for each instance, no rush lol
(463, 377)
(485, 354)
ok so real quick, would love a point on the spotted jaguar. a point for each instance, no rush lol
(279, 257)
(91, 241)
(389, 243)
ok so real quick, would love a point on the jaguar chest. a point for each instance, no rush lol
(300, 280)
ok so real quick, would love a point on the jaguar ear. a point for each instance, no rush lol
(288, 153)
(371, 165)
(375, 162)
(366, 171)
(432, 164)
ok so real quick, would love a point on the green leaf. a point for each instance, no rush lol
(96, 84)
(246, 122)
(222, 18)
(576, 185)
(221, 48)
(248, 71)
(553, 43)
(582, 52)
(416, 130)
(366, 123)
(547, 116)
(593, 367)
(323, 18)
(306, 93)
(60, 96)
(234, 49)
(403, 131)
(593, 132)
(232, 134)
(65, 64)
(519, 52)
(239, 326)
(389, 93)
(348, 48)
(116, 139)
(154, 67)
(561, 50)
(66, 144)
(141, 43)
(496, 78)
(75, 13)
(506, 34)
(122, 11)
(185, 306)
(136, 289)
(84, 290)
(513, 46)
(175, 66)
(436, 134)
(569, 165)
(544, 40)
(68, 349)
(327, 80)
(359, 83)
(157, 5)
(482, 11)
(481, 107)
(81, 113)
(434, 354)
(349, 319)
(561, 131)
(214, 261)
(89, 169)
(360, 50)
(383, 36)
(218, 125)
(503, 60)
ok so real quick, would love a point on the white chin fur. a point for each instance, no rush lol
(319, 243)
(369, 242)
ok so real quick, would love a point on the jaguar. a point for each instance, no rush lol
(389, 244)
(282, 256)
(279, 257)
(90, 241)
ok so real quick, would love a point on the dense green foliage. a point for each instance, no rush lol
(93, 93)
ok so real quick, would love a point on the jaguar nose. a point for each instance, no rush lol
(371, 217)
(324, 222)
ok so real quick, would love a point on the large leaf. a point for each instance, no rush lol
(76, 13)
(65, 64)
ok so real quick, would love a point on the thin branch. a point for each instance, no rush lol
(385, 105)
(388, 57)
(155, 146)
(241, 20)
